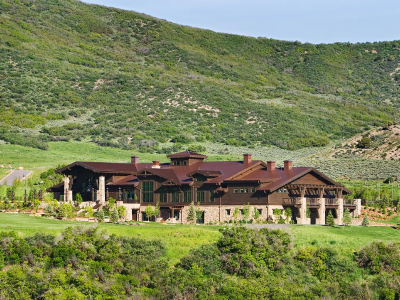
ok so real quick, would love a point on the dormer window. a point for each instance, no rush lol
(180, 163)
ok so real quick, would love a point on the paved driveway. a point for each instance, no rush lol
(15, 174)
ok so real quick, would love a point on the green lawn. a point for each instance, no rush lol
(393, 220)
(178, 238)
(347, 239)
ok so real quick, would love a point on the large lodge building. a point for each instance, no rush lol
(218, 186)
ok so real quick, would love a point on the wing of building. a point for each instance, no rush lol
(219, 187)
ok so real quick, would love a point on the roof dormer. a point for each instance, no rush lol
(186, 158)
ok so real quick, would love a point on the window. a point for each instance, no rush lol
(147, 191)
(241, 211)
(246, 190)
(235, 191)
(253, 190)
(175, 197)
(260, 211)
(187, 196)
(228, 212)
(242, 190)
(144, 217)
(180, 163)
(211, 195)
(285, 190)
(163, 197)
(200, 196)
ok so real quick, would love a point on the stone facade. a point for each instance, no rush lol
(67, 191)
(101, 192)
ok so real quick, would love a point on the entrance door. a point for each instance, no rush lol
(200, 218)
(176, 214)
(134, 214)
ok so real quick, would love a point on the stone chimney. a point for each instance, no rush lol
(247, 158)
(156, 164)
(287, 165)
(135, 160)
(270, 165)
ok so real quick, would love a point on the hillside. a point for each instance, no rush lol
(73, 71)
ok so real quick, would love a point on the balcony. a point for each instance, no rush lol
(331, 202)
(290, 201)
(350, 203)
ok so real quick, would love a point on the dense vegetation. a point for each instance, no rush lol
(128, 80)
(85, 263)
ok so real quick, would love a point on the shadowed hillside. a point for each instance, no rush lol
(121, 79)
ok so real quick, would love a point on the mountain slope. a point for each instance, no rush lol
(123, 79)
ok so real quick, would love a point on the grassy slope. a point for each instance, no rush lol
(181, 238)
(138, 77)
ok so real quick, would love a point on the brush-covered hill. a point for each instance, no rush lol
(70, 70)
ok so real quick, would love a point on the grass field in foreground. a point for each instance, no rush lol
(347, 239)
(181, 238)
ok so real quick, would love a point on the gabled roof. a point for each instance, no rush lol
(128, 180)
(167, 174)
(101, 167)
(187, 153)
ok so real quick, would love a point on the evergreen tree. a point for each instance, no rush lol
(100, 215)
(114, 216)
(330, 220)
(365, 221)
(191, 217)
(346, 218)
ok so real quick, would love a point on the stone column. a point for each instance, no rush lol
(357, 212)
(67, 191)
(302, 211)
(339, 212)
(101, 192)
(321, 211)
(321, 208)
(128, 214)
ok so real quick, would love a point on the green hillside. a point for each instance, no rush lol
(70, 70)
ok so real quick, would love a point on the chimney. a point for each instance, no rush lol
(156, 164)
(287, 165)
(135, 160)
(246, 158)
(270, 165)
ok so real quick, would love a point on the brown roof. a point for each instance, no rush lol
(128, 180)
(101, 167)
(187, 153)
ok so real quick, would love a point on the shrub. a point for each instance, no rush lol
(100, 215)
(365, 221)
(364, 143)
(379, 257)
(114, 218)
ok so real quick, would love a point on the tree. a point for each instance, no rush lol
(114, 218)
(199, 212)
(256, 214)
(236, 214)
(78, 198)
(100, 215)
(330, 220)
(364, 143)
(89, 211)
(288, 214)
(308, 212)
(121, 211)
(246, 212)
(365, 221)
(346, 218)
(191, 217)
(277, 213)
(157, 210)
(111, 203)
(49, 210)
(149, 212)
(36, 204)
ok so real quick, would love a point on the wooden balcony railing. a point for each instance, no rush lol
(331, 202)
(312, 202)
(350, 202)
(290, 201)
